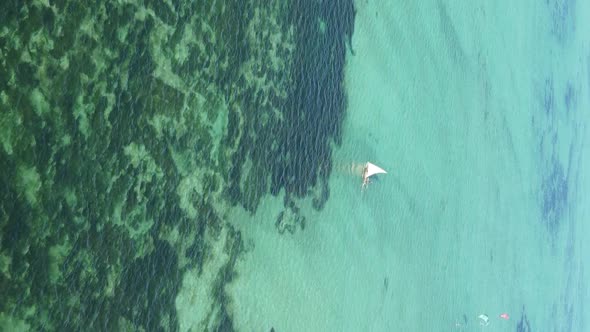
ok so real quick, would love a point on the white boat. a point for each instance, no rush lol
(370, 170)
(484, 320)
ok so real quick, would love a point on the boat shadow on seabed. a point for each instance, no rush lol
(367, 171)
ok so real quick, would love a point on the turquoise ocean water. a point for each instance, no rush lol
(479, 113)
(193, 166)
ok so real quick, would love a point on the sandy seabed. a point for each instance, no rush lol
(480, 115)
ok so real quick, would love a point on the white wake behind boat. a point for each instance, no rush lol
(370, 170)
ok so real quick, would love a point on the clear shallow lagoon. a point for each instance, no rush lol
(176, 166)
(480, 114)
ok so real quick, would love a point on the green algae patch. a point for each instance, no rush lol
(9, 323)
(10, 122)
(57, 256)
(142, 161)
(190, 192)
(40, 104)
(5, 262)
(82, 112)
(29, 183)
(202, 289)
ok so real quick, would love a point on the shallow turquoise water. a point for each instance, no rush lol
(479, 113)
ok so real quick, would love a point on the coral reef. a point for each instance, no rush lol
(129, 128)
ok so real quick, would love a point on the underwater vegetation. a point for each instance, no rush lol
(555, 195)
(563, 18)
(523, 324)
(558, 151)
(128, 129)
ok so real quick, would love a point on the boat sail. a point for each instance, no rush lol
(370, 170)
